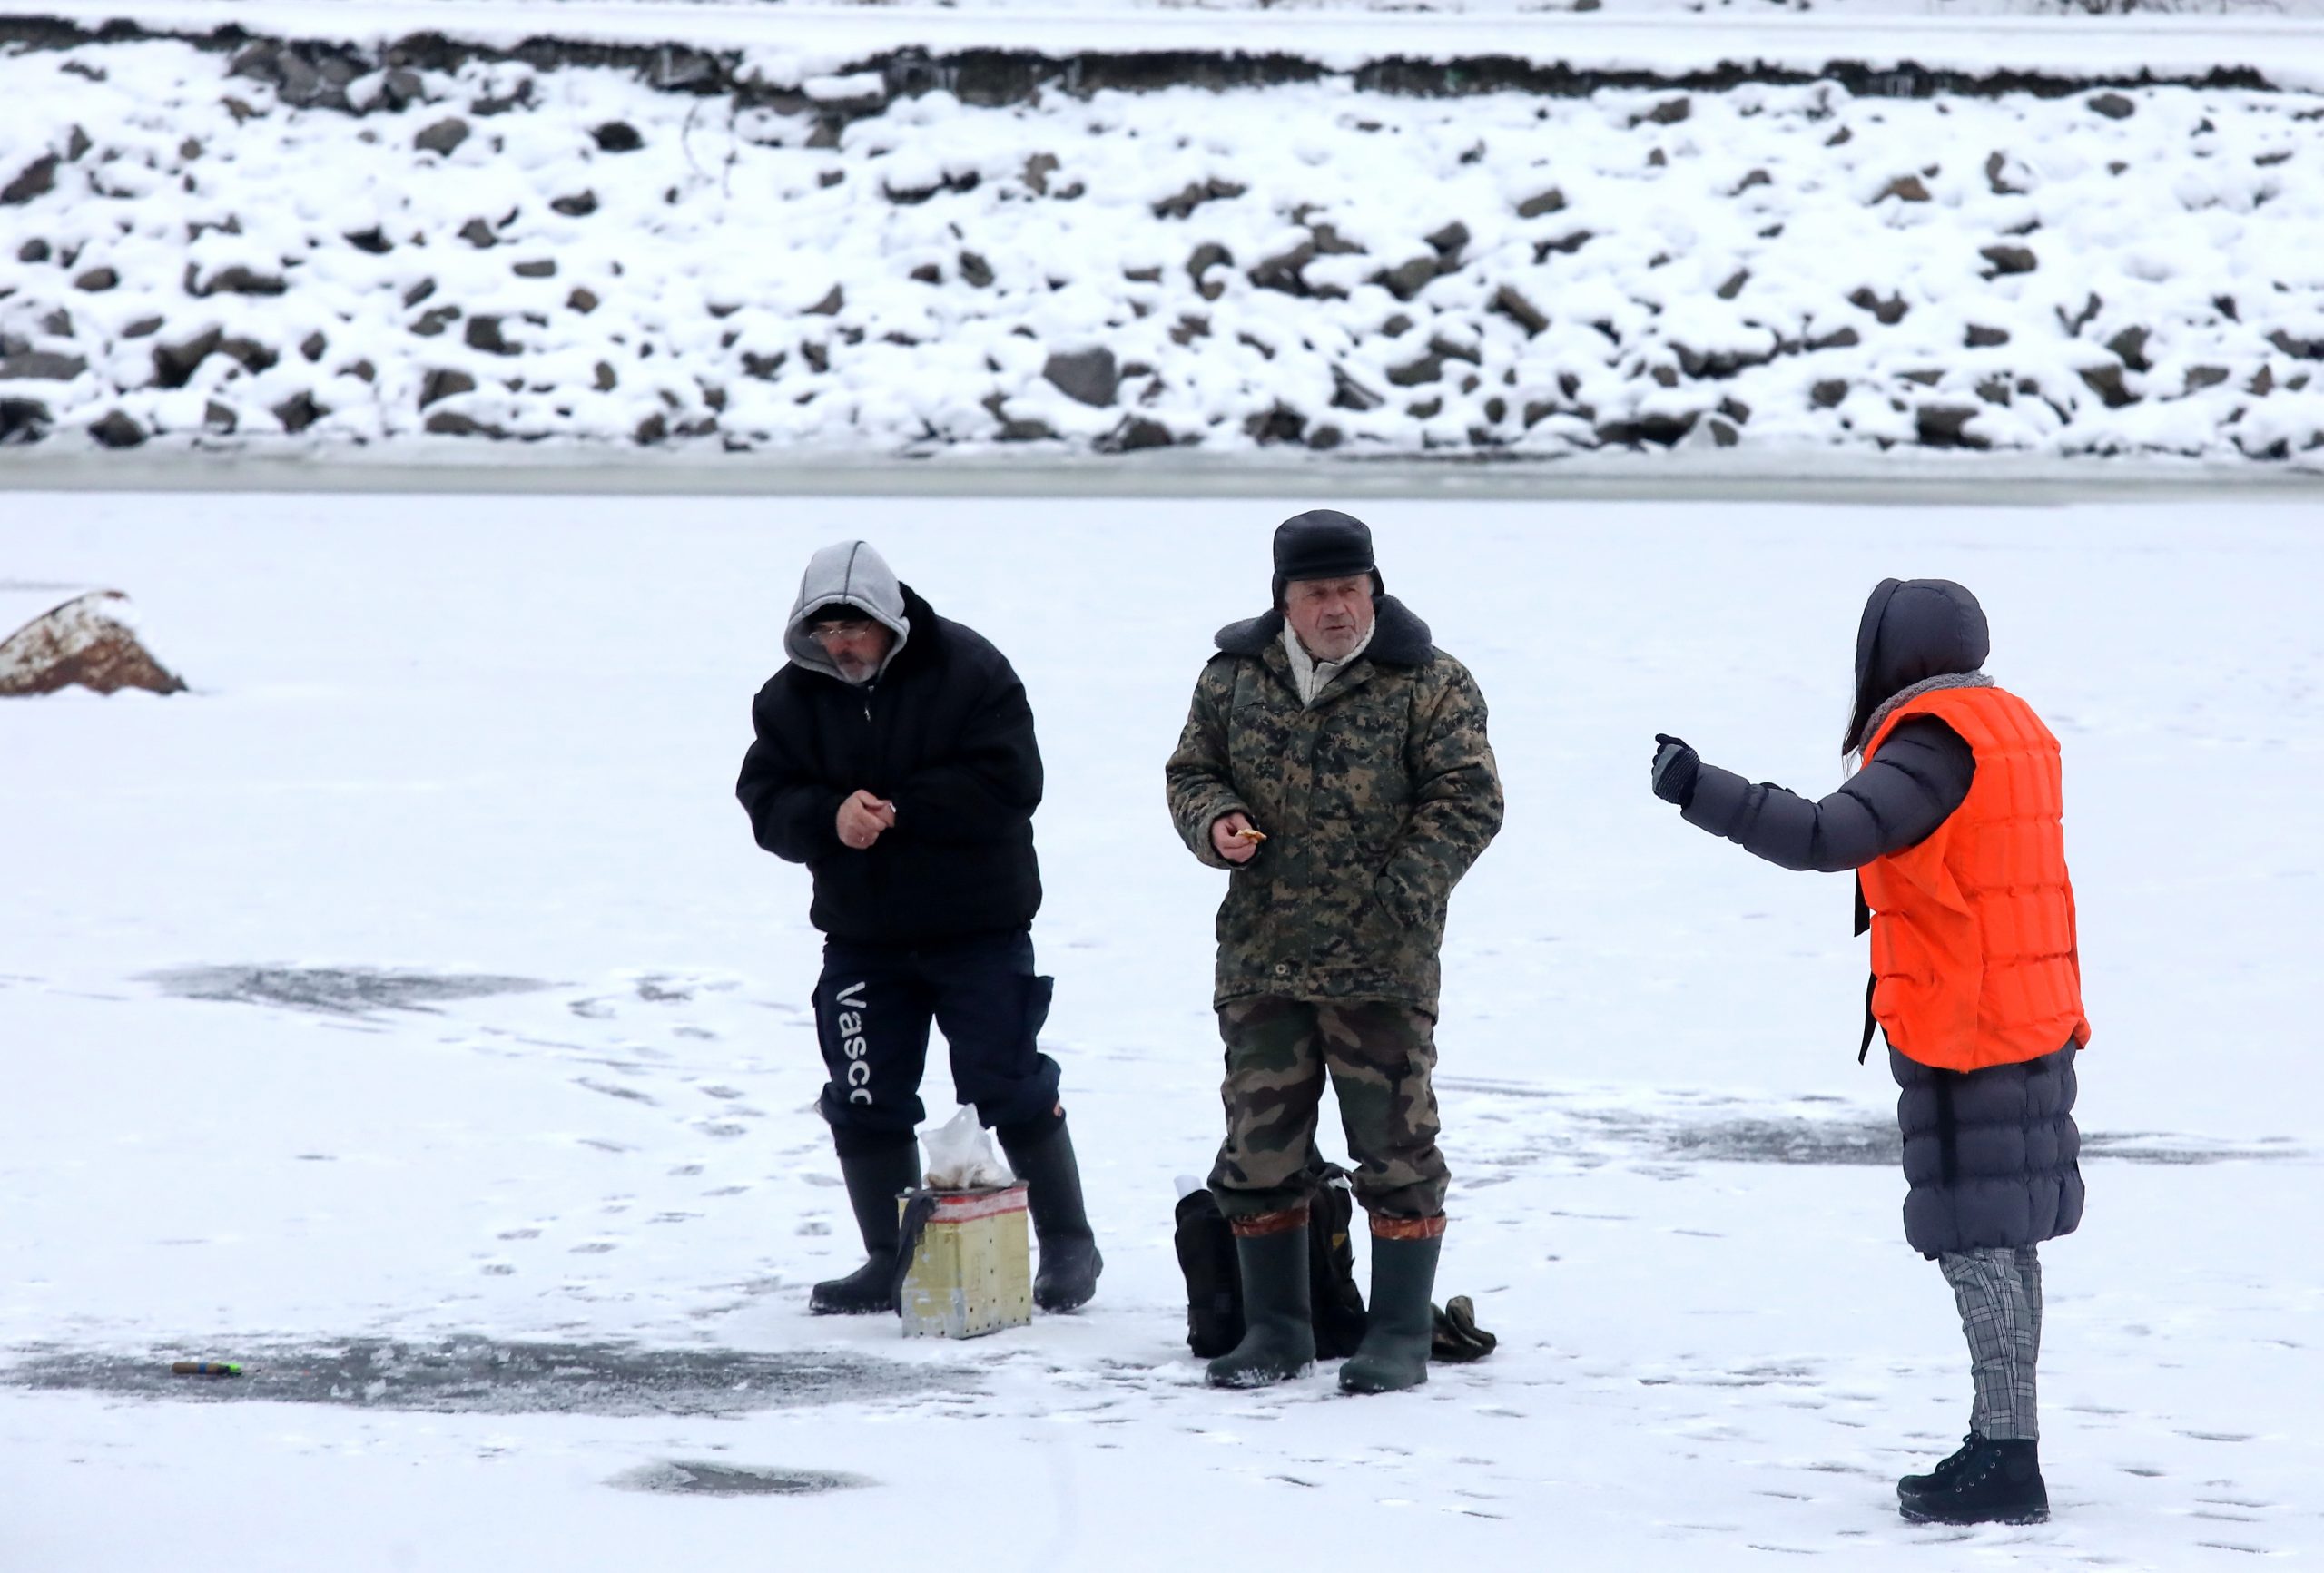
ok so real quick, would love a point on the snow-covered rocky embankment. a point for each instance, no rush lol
(199, 248)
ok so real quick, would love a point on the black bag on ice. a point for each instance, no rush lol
(1206, 1245)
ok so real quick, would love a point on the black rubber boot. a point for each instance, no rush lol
(1278, 1319)
(1069, 1263)
(1939, 1477)
(1999, 1482)
(874, 1179)
(1401, 1323)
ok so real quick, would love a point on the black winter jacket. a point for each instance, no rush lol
(945, 735)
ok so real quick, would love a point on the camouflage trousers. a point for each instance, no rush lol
(1379, 1057)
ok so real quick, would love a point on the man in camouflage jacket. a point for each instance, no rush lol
(1335, 763)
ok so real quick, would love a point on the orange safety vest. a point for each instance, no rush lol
(1974, 957)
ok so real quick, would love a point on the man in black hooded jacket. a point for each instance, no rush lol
(895, 758)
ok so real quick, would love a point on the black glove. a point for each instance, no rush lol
(1675, 765)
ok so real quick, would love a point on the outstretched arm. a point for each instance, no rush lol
(1921, 774)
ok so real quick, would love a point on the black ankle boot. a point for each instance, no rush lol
(1938, 1479)
(1069, 1266)
(1999, 1482)
(1278, 1318)
(874, 1180)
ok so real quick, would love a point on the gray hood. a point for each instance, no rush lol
(1913, 629)
(850, 573)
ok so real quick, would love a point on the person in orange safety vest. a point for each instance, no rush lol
(1954, 825)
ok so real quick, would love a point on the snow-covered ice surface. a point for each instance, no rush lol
(406, 1012)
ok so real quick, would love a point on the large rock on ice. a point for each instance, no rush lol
(90, 641)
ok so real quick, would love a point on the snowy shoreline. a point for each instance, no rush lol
(327, 251)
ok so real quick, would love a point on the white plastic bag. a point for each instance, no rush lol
(961, 1156)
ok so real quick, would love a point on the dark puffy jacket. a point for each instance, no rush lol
(945, 735)
(1991, 1156)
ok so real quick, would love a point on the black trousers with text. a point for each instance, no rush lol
(874, 1005)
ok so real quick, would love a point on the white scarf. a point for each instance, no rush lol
(1312, 676)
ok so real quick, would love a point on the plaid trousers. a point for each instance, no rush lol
(1999, 1293)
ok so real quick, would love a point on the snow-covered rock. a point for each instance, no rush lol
(90, 642)
(313, 245)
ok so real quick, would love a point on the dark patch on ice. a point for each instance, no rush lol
(1835, 1141)
(483, 1376)
(688, 1477)
(334, 990)
(1782, 1141)
(1875, 1142)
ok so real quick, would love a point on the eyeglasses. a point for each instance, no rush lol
(829, 633)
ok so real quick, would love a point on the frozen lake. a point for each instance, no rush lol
(407, 1013)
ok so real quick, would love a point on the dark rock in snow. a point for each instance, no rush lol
(1984, 337)
(1511, 302)
(42, 366)
(241, 280)
(1550, 202)
(443, 382)
(443, 138)
(1942, 426)
(299, 412)
(97, 280)
(23, 420)
(484, 333)
(1208, 255)
(38, 179)
(1409, 278)
(618, 136)
(1134, 433)
(579, 205)
(1195, 195)
(1888, 312)
(2113, 106)
(2106, 381)
(118, 430)
(1088, 376)
(2009, 260)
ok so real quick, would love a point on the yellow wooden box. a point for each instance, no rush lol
(972, 1270)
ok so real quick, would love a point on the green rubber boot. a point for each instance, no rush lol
(1278, 1322)
(1401, 1323)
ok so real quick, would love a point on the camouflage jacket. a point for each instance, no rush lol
(1375, 804)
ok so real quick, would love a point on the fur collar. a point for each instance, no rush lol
(1889, 705)
(1399, 638)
